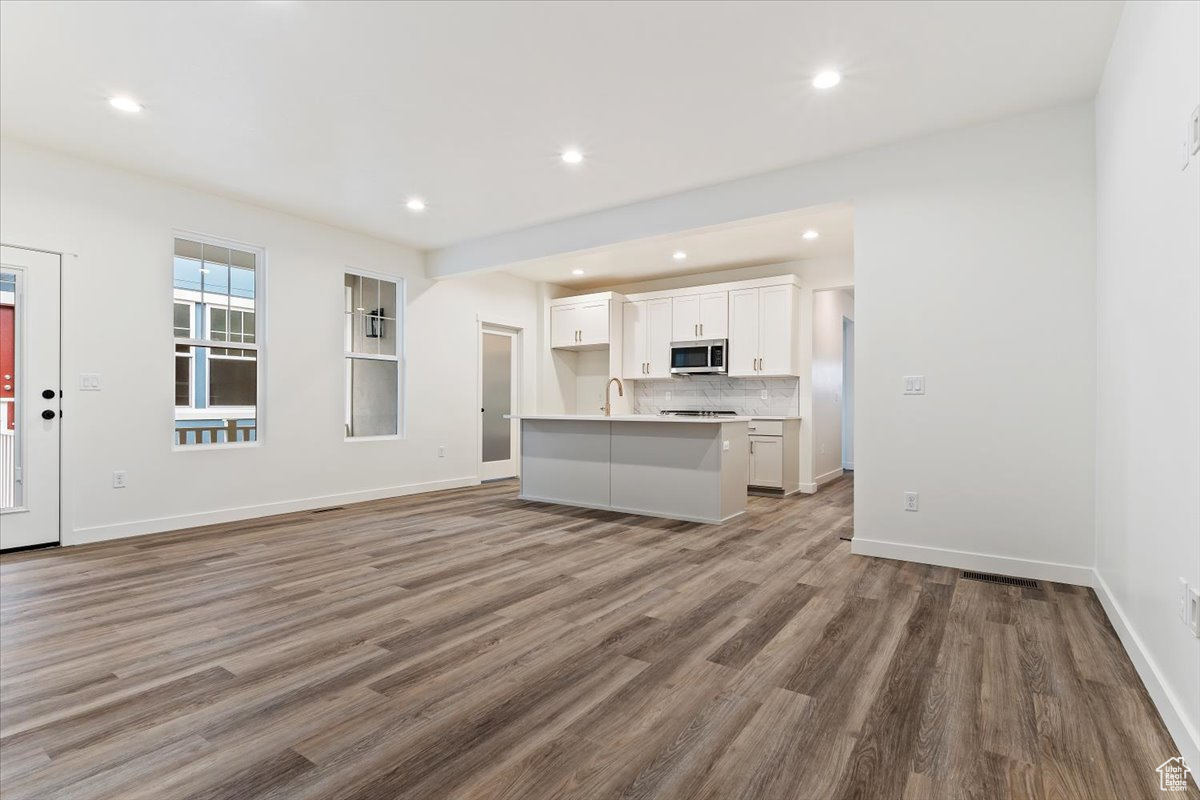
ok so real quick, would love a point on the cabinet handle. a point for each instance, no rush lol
(751, 447)
(701, 328)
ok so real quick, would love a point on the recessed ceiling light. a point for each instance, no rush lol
(576, 272)
(827, 79)
(679, 255)
(572, 156)
(415, 204)
(124, 103)
(811, 234)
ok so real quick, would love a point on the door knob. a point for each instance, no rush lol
(48, 394)
(47, 414)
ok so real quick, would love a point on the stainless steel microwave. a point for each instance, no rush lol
(706, 357)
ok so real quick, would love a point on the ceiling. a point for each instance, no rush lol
(765, 240)
(339, 111)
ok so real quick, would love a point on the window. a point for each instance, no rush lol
(372, 334)
(216, 293)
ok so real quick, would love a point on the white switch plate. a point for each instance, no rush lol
(1194, 611)
(1194, 131)
(910, 501)
(914, 384)
(763, 394)
(441, 451)
(120, 479)
(1184, 598)
(725, 444)
(89, 382)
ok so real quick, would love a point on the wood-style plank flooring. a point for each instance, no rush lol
(465, 644)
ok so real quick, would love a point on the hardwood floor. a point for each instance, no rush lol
(466, 644)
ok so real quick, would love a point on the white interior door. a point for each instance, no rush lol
(31, 381)
(499, 352)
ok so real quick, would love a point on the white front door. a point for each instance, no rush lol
(30, 400)
(499, 351)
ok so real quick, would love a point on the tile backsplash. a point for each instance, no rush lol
(715, 392)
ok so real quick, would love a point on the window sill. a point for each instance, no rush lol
(187, 448)
(394, 437)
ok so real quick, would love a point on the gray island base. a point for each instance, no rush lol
(685, 469)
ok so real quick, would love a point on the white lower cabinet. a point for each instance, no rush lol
(774, 454)
(766, 461)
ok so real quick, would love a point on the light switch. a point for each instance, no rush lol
(89, 382)
(914, 384)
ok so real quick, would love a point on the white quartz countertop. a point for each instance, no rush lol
(628, 418)
(768, 416)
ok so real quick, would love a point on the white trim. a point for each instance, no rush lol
(100, 533)
(1077, 575)
(1169, 707)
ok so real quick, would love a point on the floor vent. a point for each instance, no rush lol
(1004, 580)
(326, 510)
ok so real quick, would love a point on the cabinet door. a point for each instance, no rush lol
(593, 323)
(766, 461)
(686, 324)
(777, 330)
(658, 337)
(743, 332)
(563, 326)
(714, 315)
(633, 341)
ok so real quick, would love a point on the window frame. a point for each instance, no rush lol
(190, 355)
(348, 355)
(258, 345)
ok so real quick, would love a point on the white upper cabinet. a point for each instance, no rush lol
(646, 339)
(743, 332)
(700, 316)
(580, 326)
(763, 331)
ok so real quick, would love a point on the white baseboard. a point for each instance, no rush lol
(981, 562)
(832, 475)
(120, 530)
(1182, 730)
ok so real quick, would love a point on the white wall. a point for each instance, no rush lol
(117, 313)
(974, 264)
(814, 273)
(1148, 309)
(829, 307)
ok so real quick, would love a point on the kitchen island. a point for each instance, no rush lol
(691, 469)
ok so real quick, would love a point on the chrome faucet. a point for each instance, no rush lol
(608, 394)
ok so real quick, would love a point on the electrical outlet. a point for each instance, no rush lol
(120, 479)
(668, 395)
(914, 384)
(763, 395)
(725, 445)
(910, 501)
(441, 451)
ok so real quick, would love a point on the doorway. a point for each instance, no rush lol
(30, 397)
(499, 386)
(847, 394)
